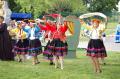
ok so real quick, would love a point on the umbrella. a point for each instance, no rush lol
(95, 14)
(86, 21)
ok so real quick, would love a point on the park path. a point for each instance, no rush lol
(109, 44)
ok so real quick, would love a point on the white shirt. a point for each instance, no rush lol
(94, 34)
(32, 35)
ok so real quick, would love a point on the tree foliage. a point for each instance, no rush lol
(68, 7)
(101, 5)
(36, 7)
(41, 7)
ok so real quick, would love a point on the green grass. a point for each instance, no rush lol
(111, 27)
(79, 68)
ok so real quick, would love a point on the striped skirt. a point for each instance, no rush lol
(96, 48)
(35, 47)
(59, 48)
(21, 47)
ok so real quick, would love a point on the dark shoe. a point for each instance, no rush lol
(20, 60)
(51, 63)
(104, 63)
(100, 71)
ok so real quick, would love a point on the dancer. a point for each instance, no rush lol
(21, 46)
(96, 47)
(48, 51)
(59, 44)
(49, 27)
(35, 47)
(13, 35)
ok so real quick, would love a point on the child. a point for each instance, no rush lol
(35, 47)
(21, 46)
(96, 47)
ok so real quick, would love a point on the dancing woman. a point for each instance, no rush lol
(59, 44)
(21, 46)
(35, 47)
(96, 48)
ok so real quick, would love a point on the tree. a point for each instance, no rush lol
(36, 7)
(61, 6)
(69, 7)
(78, 7)
(16, 7)
(41, 7)
(101, 5)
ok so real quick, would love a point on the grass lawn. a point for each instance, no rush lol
(79, 68)
(111, 27)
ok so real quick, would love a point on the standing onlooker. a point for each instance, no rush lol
(5, 42)
(117, 34)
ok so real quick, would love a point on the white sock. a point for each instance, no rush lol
(55, 61)
(61, 63)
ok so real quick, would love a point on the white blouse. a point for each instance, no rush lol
(94, 34)
(32, 35)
